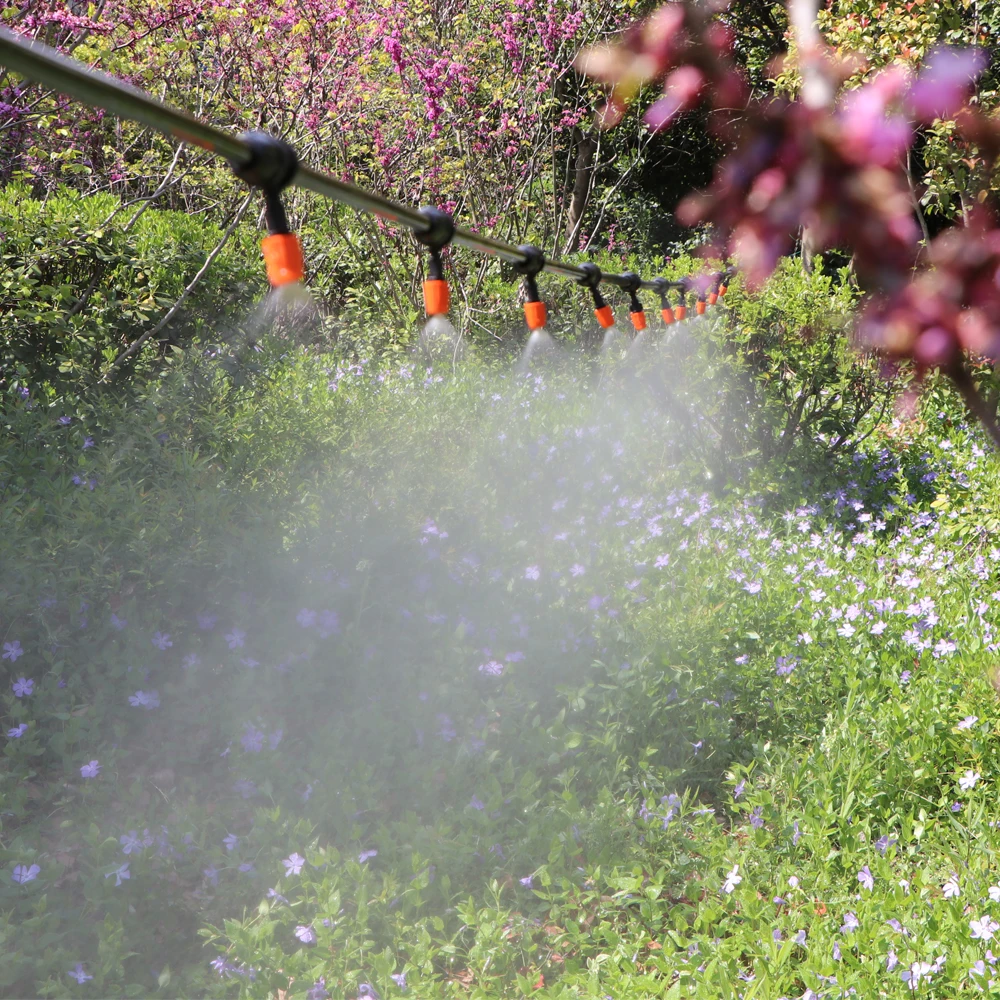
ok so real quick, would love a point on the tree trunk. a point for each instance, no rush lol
(583, 184)
(808, 249)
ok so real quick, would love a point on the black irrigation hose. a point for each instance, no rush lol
(37, 61)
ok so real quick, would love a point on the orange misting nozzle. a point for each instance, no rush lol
(722, 290)
(437, 297)
(699, 307)
(535, 315)
(713, 297)
(605, 316)
(638, 320)
(681, 312)
(283, 259)
(668, 315)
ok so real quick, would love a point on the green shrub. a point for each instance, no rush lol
(76, 288)
(770, 377)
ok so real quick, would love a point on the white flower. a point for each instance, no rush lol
(793, 881)
(916, 972)
(951, 889)
(983, 929)
(732, 880)
(995, 893)
(968, 781)
(968, 722)
(846, 630)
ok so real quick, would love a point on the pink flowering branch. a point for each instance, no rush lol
(835, 168)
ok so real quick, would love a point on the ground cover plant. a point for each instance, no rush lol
(666, 674)
(413, 682)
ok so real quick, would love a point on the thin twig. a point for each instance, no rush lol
(216, 250)
(960, 375)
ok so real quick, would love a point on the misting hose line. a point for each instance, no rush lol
(43, 64)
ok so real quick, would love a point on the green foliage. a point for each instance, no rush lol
(948, 175)
(788, 349)
(695, 693)
(770, 379)
(79, 284)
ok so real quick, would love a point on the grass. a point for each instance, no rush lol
(441, 685)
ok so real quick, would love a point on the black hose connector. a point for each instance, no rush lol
(661, 286)
(272, 166)
(631, 283)
(440, 229)
(439, 233)
(530, 267)
(592, 279)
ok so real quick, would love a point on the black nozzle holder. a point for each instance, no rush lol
(439, 233)
(631, 283)
(661, 286)
(531, 266)
(272, 166)
(440, 228)
(592, 279)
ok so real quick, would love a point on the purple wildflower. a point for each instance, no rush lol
(235, 638)
(18, 731)
(120, 873)
(367, 855)
(884, 843)
(90, 770)
(305, 934)
(252, 739)
(162, 641)
(79, 974)
(784, 665)
(293, 864)
(23, 687)
(12, 650)
(22, 874)
(131, 842)
(318, 990)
